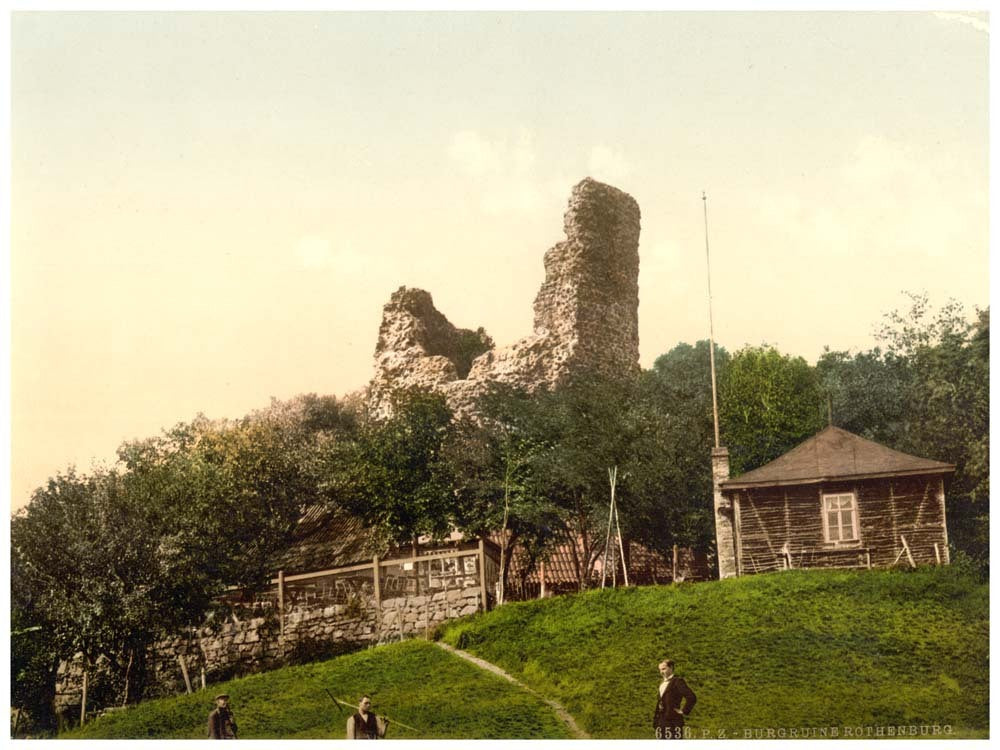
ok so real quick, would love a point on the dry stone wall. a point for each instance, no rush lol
(258, 644)
(586, 316)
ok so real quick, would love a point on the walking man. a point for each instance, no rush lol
(675, 701)
(221, 724)
(365, 725)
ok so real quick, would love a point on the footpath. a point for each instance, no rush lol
(561, 712)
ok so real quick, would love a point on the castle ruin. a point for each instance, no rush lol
(586, 316)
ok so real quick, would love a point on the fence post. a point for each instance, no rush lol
(377, 590)
(281, 601)
(83, 697)
(482, 573)
(184, 671)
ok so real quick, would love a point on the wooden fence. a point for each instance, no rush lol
(368, 584)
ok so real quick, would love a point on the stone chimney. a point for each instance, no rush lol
(725, 539)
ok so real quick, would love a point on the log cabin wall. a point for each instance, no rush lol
(781, 527)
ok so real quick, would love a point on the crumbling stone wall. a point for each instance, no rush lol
(259, 644)
(586, 315)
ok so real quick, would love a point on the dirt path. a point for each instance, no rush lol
(561, 712)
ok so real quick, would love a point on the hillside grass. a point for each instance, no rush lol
(791, 650)
(795, 650)
(414, 682)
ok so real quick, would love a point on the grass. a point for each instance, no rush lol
(414, 682)
(794, 650)
(786, 651)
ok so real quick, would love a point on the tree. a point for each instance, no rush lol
(498, 482)
(578, 432)
(680, 381)
(946, 407)
(768, 403)
(98, 591)
(395, 475)
(866, 392)
(146, 547)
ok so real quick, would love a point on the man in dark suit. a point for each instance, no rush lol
(674, 702)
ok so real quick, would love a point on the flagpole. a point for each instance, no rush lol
(711, 327)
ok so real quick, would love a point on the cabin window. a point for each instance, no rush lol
(840, 518)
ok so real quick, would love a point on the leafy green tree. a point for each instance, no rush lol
(498, 483)
(395, 473)
(143, 549)
(946, 409)
(768, 403)
(97, 591)
(680, 381)
(866, 392)
(569, 438)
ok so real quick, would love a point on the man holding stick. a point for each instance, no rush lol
(365, 725)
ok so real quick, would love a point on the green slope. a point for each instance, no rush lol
(414, 682)
(794, 650)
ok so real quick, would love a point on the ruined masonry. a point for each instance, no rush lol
(586, 316)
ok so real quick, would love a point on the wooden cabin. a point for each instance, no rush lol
(835, 500)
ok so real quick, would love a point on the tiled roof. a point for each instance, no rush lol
(833, 454)
(645, 565)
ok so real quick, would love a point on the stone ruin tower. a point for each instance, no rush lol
(586, 316)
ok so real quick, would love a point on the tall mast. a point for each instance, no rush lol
(711, 329)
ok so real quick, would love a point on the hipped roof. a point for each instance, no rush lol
(835, 454)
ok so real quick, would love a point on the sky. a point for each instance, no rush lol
(209, 210)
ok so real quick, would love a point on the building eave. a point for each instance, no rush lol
(737, 485)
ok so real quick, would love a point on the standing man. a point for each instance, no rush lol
(365, 725)
(221, 724)
(668, 719)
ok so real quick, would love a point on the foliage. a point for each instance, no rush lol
(946, 409)
(95, 591)
(499, 484)
(468, 346)
(680, 381)
(395, 474)
(548, 456)
(768, 403)
(146, 546)
(866, 392)
(414, 682)
(836, 648)
(927, 394)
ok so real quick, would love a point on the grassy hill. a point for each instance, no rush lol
(414, 682)
(800, 649)
(796, 650)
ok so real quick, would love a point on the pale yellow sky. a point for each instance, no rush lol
(209, 210)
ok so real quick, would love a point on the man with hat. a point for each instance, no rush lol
(365, 725)
(221, 724)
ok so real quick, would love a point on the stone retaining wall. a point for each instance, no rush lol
(260, 644)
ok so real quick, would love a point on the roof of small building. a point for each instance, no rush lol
(834, 454)
(325, 538)
(328, 537)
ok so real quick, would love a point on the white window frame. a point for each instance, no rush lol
(825, 501)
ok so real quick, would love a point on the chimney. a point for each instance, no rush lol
(725, 538)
